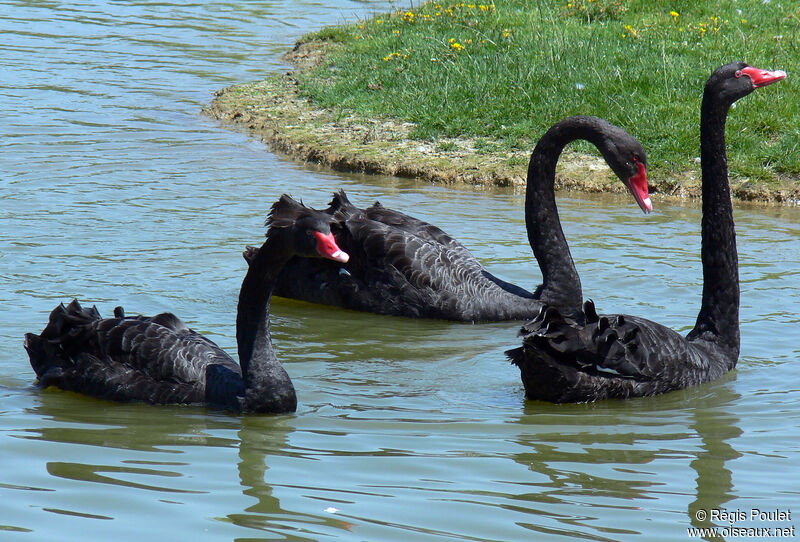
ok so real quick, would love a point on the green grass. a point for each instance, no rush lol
(504, 72)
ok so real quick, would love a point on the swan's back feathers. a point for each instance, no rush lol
(600, 357)
(343, 210)
(418, 228)
(107, 379)
(423, 277)
(156, 359)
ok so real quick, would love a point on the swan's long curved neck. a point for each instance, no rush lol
(561, 285)
(262, 372)
(719, 313)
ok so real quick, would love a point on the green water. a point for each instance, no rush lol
(115, 190)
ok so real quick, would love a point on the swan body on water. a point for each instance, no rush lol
(160, 360)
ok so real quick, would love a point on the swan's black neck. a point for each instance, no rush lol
(561, 285)
(268, 387)
(718, 320)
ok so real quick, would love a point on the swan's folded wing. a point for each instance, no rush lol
(422, 262)
(419, 228)
(164, 352)
(107, 378)
(160, 347)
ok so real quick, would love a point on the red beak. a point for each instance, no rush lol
(762, 78)
(638, 187)
(327, 248)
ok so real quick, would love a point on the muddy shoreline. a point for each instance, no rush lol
(274, 111)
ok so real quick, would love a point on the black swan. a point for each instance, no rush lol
(159, 360)
(590, 357)
(402, 266)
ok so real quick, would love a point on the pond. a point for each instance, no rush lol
(117, 191)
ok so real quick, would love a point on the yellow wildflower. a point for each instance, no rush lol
(629, 31)
(457, 46)
(674, 15)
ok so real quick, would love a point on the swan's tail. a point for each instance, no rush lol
(67, 325)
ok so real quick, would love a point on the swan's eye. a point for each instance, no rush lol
(738, 74)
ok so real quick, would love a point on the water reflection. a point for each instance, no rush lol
(617, 458)
(715, 421)
(117, 191)
(150, 443)
(262, 440)
(76, 419)
(115, 475)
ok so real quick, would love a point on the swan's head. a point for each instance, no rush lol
(732, 81)
(626, 157)
(306, 231)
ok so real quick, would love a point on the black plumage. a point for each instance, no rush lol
(160, 360)
(403, 266)
(586, 357)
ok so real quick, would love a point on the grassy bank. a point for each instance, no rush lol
(485, 80)
(508, 70)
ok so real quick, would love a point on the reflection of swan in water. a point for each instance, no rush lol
(263, 439)
(715, 421)
(258, 439)
(146, 458)
(600, 462)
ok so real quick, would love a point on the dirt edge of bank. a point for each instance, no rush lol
(274, 111)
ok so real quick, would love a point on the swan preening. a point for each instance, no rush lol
(160, 360)
(402, 266)
(589, 357)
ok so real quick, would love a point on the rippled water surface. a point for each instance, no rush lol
(116, 190)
